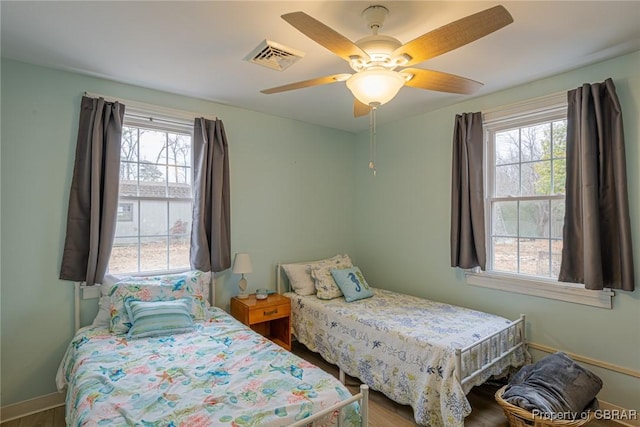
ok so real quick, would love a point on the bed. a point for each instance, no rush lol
(417, 352)
(216, 372)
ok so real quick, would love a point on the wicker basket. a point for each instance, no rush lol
(519, 417)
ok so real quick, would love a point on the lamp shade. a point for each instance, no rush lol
(376, 86)
(242, 264)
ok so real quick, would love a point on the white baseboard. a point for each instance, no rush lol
(31, 406)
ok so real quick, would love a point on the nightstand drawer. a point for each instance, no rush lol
(265, 314)
(270, 317)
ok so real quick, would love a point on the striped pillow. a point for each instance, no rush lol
(153, 318)
(151, 290)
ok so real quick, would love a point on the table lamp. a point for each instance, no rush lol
(242, 265)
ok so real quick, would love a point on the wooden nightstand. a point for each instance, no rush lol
(270, 317)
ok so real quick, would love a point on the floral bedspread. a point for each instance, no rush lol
(403, 346)
(223, 374)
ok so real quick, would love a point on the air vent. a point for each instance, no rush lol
(274, 55)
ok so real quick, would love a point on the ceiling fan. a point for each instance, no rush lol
(376, 58)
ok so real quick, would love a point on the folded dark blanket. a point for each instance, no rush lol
(555, 384)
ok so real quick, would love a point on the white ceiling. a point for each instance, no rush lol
(198, 48)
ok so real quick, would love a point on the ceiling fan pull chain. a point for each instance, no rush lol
(372, 138)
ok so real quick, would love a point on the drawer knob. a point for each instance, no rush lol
(269, 313)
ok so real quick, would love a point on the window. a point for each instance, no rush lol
(526, 196)
(525, 158)
(155, 197)
(125, 211)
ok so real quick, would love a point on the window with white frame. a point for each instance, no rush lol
(525, 202)
(155, 196)
(525, 159)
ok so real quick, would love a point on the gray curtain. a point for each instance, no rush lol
(467, 194)
(93, 199)
(597, 235)
(211, 230)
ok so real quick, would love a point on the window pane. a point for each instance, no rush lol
(505, 255)
(124, 255)
(535, 142)
(529, 179)
(152, 176)
(507, 179)
(180, 219)
(180, 233)
(505, 219)
(534, 257)
(153, 147)
(152, 167)
(507, 147)
(179, 149)
(129, 144)
(153, 218)
(557, 218)
(153, 253)
(534, 218)
(559, 133)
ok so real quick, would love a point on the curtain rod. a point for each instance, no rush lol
(143, 109)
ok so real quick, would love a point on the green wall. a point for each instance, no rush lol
(402, 232)
(291, 183)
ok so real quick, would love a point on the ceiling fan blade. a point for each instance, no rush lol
(454, 35)
(308, 83)
(441, 82)
(360, 109)
(324, 35)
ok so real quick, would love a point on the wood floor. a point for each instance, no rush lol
(49, 418)
(383, 412)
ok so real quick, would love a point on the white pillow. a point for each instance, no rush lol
(299, 279)
(299, 274)
(158, 318)
(103, 317)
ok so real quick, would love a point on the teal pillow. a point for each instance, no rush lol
(352, 284)
(154, 318)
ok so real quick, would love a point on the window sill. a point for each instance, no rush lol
(541, 288)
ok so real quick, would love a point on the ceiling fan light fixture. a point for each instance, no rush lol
(377, 86)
